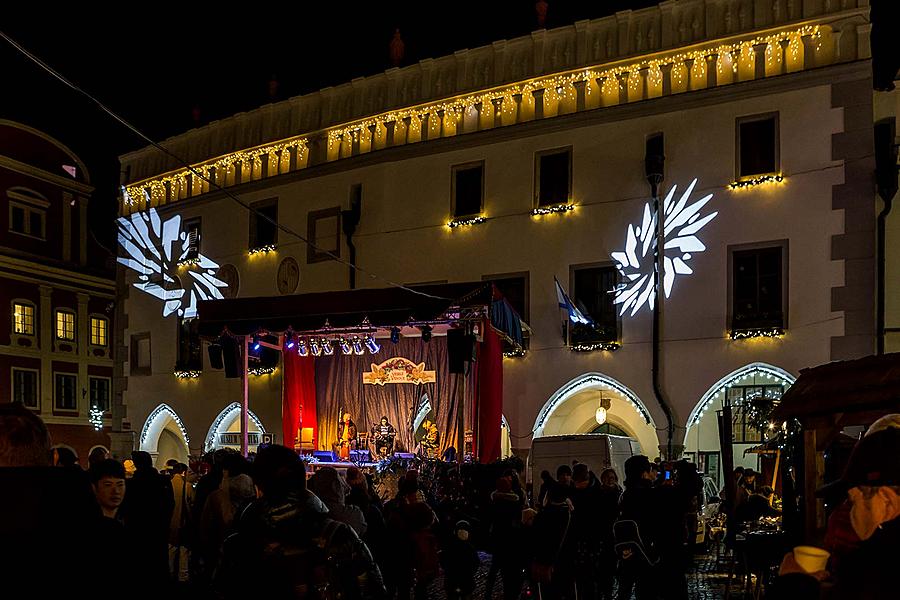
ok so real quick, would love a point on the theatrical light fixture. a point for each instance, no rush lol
(255, 343)
(372, 345)
(302, 350)
(289, 343)
(345, 346)
(426, 333)
(314, 346)
(327, 348)
(358, 346)
(395, 335)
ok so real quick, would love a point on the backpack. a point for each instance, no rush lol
(629, 546)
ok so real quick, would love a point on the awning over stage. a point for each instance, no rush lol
(378, 308)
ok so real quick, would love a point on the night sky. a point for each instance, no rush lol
(154, 67)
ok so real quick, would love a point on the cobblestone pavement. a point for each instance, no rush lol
(706, 581)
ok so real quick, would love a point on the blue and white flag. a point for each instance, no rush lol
(575, 315)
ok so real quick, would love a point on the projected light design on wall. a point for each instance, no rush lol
(635, 263)
(153, 248)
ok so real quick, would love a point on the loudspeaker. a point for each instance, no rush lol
(231, 357)
(325, 456)
(215, 356)
(460, 350)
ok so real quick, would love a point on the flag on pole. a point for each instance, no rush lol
(575, 315)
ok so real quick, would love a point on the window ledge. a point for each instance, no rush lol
(466, 221)
(556, 208)
(595, 346)
(757, 332)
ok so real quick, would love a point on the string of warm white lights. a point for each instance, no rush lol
(96, 418)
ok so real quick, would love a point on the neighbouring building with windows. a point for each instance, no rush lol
(524, 161)
(57, 291)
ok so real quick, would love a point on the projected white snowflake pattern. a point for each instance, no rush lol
(153, 249)
(635, 263)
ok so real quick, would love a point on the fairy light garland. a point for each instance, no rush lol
(189, 374)
(96, 418)
(466, 222)
(261, 370)
(769, 332)
(594, 346)
(548, 210)
(745, 183)
(261, 249)
(559, 88)
(771, 376)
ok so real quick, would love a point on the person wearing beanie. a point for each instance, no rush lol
(460, 562)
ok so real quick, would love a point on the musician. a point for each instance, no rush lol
(431, 441)
(383, 435)
(346, 436)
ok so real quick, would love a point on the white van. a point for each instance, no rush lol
(597, 450)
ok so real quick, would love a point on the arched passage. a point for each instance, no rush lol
(742, 387)
(226, 429)
(571, 409)
(164, 436)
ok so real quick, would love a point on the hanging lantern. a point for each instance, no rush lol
(600, 415)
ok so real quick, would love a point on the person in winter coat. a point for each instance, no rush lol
(285, 545)
(586, 529)
(553, 547)
(331, 489)
(607, 514)
(505, 538)
(460, 562)
(414, 558)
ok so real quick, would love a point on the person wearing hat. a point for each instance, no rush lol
(460, 562)
(863, 533)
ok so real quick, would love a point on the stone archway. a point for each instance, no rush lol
(164, 436)
(701, 438)
(571, 410)
(227, 423)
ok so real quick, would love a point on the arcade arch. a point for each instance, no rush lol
(165, 437)
(225, 431)
(571, 410)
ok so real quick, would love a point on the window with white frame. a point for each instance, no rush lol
(23, 318)
(65, 325)
(192, 231)
(25, 387)
(99, 331)
(64, 397)
(99, 390)
(27, 212)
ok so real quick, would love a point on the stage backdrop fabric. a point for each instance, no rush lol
(339, 381)
(299, 398)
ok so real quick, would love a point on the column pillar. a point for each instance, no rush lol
(517, 98)
(623, 86)
(783, 44)
(712, 73)
(689, 65)
(667, 78)
(82, 230)
(354, 142)
(645, 91)
(390, 133)
(440, 114)
(538, 102)
(371, 129)
(82, 341)
(809, 50)
(424, 124)
(406, 122)
(580, 99)
(478, 107)
(498, 111)
(759, 60)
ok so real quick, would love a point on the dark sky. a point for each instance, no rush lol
(154, 66)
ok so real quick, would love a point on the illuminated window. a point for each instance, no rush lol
(757, 145)
(25, 387)
(553, 177)
(100, 393)
(592, 292)
(65, 325)
(23, 319)
(263, 223)
(99, 331)
(64, 397)
(467, 182)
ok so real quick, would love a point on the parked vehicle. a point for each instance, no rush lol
(707, 513)
(597, 450)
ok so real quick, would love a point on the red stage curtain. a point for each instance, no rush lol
(490, 395)
(299, 398)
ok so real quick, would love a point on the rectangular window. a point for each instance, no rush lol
(593, 292)
(100, 393)
(192, 230)
(139, 357)
(746, 401)
(25, 387)
(190, 350)
(65, 398)
(263, 223)
(553, 173)
(757, 147)
(757, 289)
(99, 331)
(324, 230)
(468, 190)
(65, 325)
(23, 319)
(27, 219)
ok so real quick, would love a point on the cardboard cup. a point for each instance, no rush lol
(810, 558)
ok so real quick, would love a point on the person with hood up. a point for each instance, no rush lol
(460, 562)
(332, 490)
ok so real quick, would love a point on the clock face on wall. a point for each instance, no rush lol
(288, 277)
(229, 274)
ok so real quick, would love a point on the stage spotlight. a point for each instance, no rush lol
(327, 348)
(289, 340)
(345, 346)
(315, 347)
(358, 346)
(255, 343)
(302, 350)
(426, 333)
(372, 345)
(395, 335)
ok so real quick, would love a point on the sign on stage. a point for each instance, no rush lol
(398, 370)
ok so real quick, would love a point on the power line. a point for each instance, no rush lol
(198, 174)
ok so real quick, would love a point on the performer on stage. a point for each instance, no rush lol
(430, 443)
(383, 436)
(346, 436)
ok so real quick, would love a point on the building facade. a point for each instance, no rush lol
(56, 342)
(524, 161)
